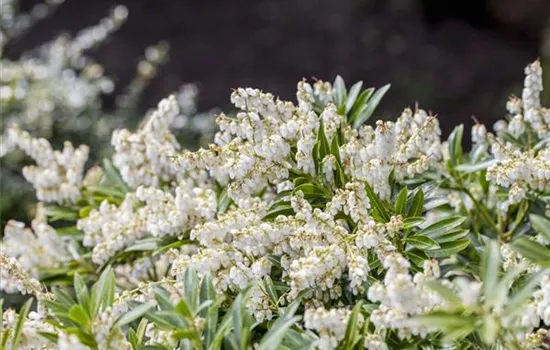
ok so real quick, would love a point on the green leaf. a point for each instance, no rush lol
(417, 257)
(311, 191)
(163, 299)
(50, 336)
(270, 289)
(324, 147)
(490, 267)
(103, 291)
(412, 221)
(452, 236)
(422, 242)
(223, 201)
(449, 248)
(59, 213)
(442, 321)
(445, 292)
(132, 338)
(81, 291)
(285, 210)
(371, 106)
(335, 148)
(183, 308)
(79, 315)
(531, 250)
(517, 300)
(113, 176)
(301, 180)
(23, 312)
(401, 202)
(63, 298)
(541, 225)
(273, 338)
(352, 95)
(443, 226)
(351, 329)
(455, 145)
(476, 167)
(360, 105)
(339, 91)
(417, 205)
(498, 296)
(140, 332)
(135, 313)
(377, 204)
(69, 231)
(489, 329)
(191, 288)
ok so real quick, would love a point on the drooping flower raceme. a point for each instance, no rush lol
(299, 220)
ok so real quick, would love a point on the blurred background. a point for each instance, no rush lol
(460, 59)
(457, 58)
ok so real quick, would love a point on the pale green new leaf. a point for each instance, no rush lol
(541, 224)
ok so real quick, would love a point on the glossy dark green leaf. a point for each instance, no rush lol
(401, 202)
(422, 242)
(371, 106)
(443, 226)
(449, 248)
(417, 204)
(360, 105)
(376, 204)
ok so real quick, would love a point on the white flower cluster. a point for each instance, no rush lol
(409, 146)
(292, 197)
(145, 157)
(330, 325)
(14, 279)
(31, 338)
(36, 249)
(523, 169)
(57, 175)
(402, 296)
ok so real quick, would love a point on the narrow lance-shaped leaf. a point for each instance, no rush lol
(103, 291)
(376, 204)
(81, 291)
(417, 204)
(135, 313)
(360, 105)
(455, 145)
(490, 268)
(541, 224)
(339, 91)
(373, 103)
(401, 202)
(443, 226)
(23, 312)
(352, 95)
(531, 250)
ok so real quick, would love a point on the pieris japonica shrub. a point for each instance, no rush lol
(56, 91)
(300, 227)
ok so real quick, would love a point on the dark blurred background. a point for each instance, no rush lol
(458, 58)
